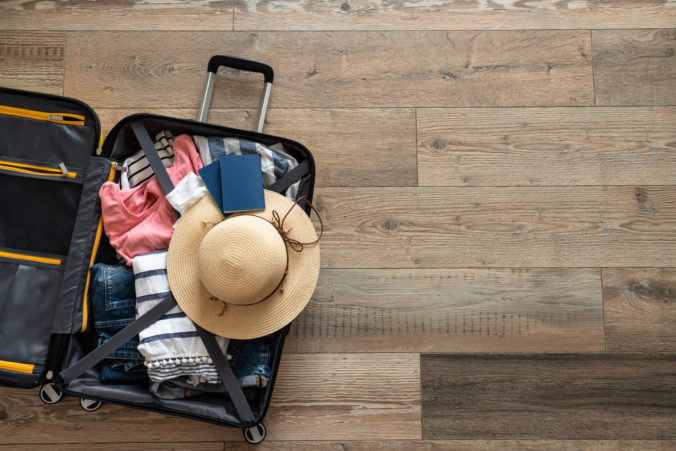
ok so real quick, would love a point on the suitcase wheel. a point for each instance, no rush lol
(90, 405)
(50, 394)
(255, 434)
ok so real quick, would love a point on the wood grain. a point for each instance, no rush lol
(451, 14)
(385, 148)
(316, 397)
(447, 310)
(336, 69)
(116, 15)
(498, 227)
(461, 445)
(91, 445)
(547, 146)
(32, 61)
(640, 309)
(564, 396)
(635, 67)
(333, 396)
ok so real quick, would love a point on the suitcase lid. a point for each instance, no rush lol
(45, 152)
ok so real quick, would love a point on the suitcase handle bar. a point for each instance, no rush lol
(244, 64)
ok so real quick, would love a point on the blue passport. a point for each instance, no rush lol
(235, 183)
(211, 176)
(242, 183)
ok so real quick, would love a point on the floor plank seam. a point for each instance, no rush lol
(591, 44)
(603, 312)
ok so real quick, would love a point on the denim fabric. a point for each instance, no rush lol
(113, 305)
(250, 362)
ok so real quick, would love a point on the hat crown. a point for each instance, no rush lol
(242, 260)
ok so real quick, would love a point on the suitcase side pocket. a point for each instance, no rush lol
(29, 287)
(72, 312)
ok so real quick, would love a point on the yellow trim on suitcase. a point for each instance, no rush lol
(24, 168)
(97, 240)
(31, 258)
(58, 118)
(16, 367)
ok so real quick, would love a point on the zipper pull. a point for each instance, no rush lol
(63, 168)
(99, 151)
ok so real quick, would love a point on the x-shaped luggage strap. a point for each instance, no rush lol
(220, 362)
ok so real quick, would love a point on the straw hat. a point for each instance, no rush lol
(245, 276)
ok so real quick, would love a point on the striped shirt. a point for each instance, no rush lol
(275, 161)
(171, 346)
(137, 168)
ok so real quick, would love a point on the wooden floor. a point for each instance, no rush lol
(498, 184)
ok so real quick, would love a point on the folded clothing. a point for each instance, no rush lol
(187, 193)
(275, 161)
(250, 361)
(136, 169)
(171, 346)
(140, 220)
(113, 300)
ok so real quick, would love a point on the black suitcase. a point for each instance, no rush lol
(53, 160)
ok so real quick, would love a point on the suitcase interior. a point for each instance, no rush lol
(63, 337)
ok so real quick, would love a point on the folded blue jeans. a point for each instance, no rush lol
(250, 361)
(114, 307)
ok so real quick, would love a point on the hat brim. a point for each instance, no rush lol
(242, 322)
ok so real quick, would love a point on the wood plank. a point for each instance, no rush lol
(316, 397)
(640, 309)
(635, 67)
(498, 227)
(336, 69)
(447, 310)
(333, 396)
(451, 14)
(460, 445)
(113, 15)
(385, 149)
(92, 445)
(547, 146)
(564, 396)
(32, 61)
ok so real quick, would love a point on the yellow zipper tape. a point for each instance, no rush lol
(70, 175)
(30, 166)
(58, 118)
(97, 240)
(31, 258)
(17, 367)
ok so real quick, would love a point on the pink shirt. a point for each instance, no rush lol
(140, 220)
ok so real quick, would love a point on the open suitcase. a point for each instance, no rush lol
(53, 160)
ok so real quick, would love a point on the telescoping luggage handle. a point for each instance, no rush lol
(244, 64)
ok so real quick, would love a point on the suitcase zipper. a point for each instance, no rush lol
(32, 169)
(30, 258)
(97, 240)
(58, 118)
(25, 368)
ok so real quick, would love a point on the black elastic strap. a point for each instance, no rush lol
(227, 376)
(290, 177)
(118, 340)
(146, 143)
